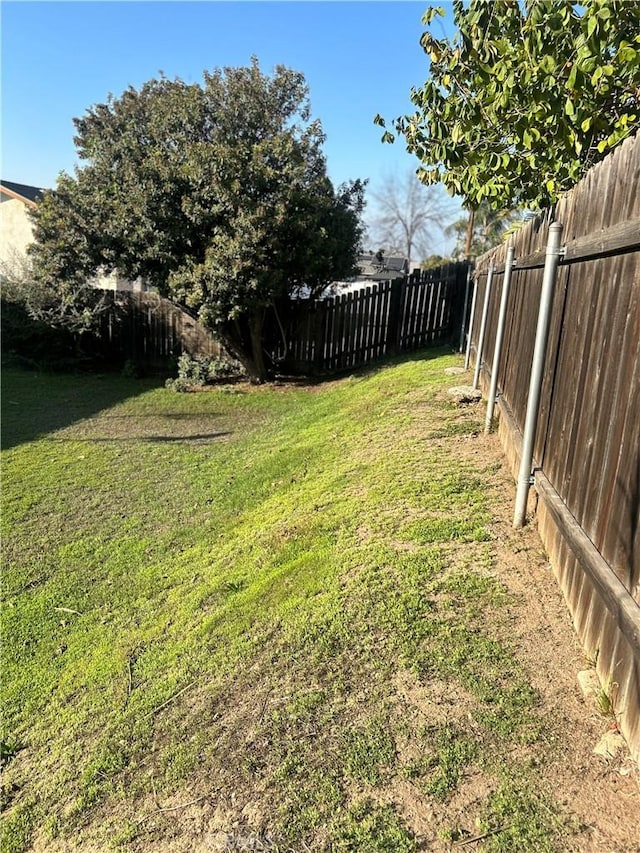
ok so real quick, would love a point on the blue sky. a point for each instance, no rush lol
(359, 58)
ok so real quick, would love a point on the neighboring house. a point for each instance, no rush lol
(16, 233)
(16, 230)
(376, 266)
(372, 267)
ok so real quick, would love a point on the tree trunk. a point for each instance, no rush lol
(244, 342)
(470, 230)
(256, 323)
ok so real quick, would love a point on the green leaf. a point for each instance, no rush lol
(431, 13)
(548, 64)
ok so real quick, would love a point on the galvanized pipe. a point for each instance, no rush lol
(464, 310)
(552, 259)
(467, 357)
(483, 327)
(497, 350)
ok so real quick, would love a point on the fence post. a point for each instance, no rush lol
(483, 326)
(394, 321)
(464, 308)
(552, 260)
(493, 387)
(474, 298)
(320, 334)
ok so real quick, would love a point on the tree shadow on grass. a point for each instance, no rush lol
(195, 438)
(35, 404)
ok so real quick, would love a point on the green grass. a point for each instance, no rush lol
(213, 597)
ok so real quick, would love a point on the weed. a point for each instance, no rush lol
(197, 371)
(17, 828)
(453, 751)
(455, 428)
(374, 828)
(367, 750)
(517, 818)
(431, 530)
(8, 750)
(309, 804)
(605, 699)
(233, 585)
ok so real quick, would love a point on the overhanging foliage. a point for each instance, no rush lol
(525, 97)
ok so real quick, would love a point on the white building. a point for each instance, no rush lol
(16, 233)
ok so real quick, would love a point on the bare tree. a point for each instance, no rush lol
(410, 217)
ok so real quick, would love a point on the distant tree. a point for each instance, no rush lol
(434, 261)
(489, 227)
(525, 97)
(409, 215)
(215, 194)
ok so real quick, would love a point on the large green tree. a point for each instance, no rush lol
(524, 98)
(215, 194)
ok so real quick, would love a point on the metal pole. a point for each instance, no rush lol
(464, 310)
(552, 260)
(483, 327)
(473, 311)
(493, 387)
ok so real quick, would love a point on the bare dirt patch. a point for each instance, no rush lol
(603, 794)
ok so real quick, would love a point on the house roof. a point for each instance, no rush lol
(23, 192)
(378, 267)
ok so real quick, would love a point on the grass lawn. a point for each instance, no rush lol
(260, 616)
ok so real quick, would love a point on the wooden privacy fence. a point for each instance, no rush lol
(150, 331)
(581, 327)
(300, 336)
(353, 329)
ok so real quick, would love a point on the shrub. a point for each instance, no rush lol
(197, 371)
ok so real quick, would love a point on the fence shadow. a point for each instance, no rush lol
(187, 438)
